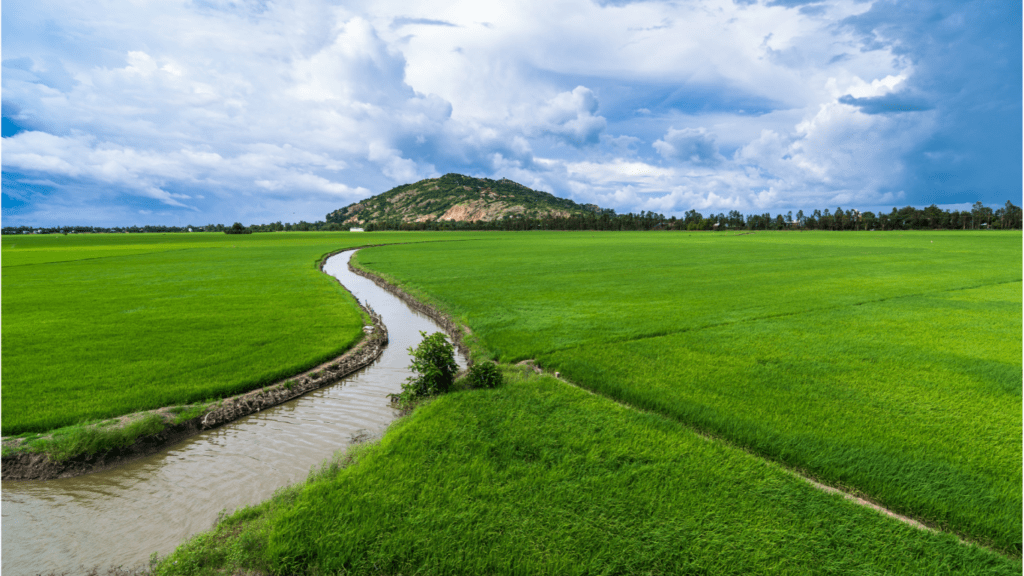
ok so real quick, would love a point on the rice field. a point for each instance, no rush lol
(885, 364)
(97, 326)
(888, 364)
(537, 477)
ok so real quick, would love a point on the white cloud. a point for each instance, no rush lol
(356, 69)
(573, 116)
(690, 145)
(619, 170)
(195, 106)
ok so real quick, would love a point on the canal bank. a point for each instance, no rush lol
(120, 516)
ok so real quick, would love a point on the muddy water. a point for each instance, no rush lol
(121, 516)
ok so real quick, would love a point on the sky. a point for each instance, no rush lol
(214, 111)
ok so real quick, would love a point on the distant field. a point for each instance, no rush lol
(887, 363)
(96, 326)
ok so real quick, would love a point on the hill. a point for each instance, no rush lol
(459, 198)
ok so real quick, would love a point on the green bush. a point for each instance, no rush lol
(484, 375)
(433, 361)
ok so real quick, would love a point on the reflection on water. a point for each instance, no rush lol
(121, 516)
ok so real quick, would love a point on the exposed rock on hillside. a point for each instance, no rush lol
(458, 198)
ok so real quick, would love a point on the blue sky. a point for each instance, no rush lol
(206, 111)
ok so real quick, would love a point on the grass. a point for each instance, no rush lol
(885, 363)
(889, 364)
(537, 477)
(89, 438)
(186, 413)
(97, 326)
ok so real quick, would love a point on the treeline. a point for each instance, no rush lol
(301, 226)
(89, 229)
(908, 218)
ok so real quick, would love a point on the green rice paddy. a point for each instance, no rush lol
(97, 326)
(538, 477)
(886, 364)
(889, 364)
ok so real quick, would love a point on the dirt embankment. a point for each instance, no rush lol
(452, 328)
(38, 466)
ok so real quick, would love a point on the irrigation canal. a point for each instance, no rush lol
(119, 517)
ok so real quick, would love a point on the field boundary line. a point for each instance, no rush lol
(854, 496)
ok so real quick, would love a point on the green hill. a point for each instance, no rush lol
(457, 198)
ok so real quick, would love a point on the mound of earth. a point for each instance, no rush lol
(458, 198)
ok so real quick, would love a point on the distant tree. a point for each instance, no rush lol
(237, 228)
(1009, 216)
(932, 216)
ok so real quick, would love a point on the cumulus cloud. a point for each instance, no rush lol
(888, 104)
(297, 107)
(291, 126)
(357, 68)
(573, 117)
(151, 175)
(690, 145)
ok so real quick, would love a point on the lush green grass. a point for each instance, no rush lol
(538, 292)
(537, 477)
(97, 326)
(888, 363)
(81, 439)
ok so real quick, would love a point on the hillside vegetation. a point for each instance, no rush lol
(457, 198)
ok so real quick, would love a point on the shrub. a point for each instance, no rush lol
(433, 361)
(484, 375)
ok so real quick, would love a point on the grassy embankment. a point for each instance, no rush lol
(99, 326)
(889, 364)
(538, 477)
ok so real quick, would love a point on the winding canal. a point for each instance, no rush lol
(119, 517)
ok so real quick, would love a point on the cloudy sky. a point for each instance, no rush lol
(205, 111)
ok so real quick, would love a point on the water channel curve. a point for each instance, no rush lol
(120, 516)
